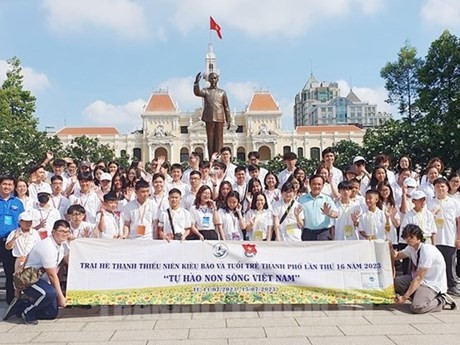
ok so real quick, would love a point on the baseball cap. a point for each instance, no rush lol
(45, 188)
(26, 216)
(410, 182)
(106, 177)
(418, 194)
(358, 159)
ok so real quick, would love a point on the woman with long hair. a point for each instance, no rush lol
(205, 216)
(388, 205)
(233, 223)
(259, 219)
(224, 188)
(271, 190)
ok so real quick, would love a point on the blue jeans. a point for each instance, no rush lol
(43, 301)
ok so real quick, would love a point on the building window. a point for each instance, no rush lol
(241, 154)
(265, 153)
(184, 154)
(239, 129)
(300, 152)
(137, 153)
(286, 149)
(314, 153)
(183, 129)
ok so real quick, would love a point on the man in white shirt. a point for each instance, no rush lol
(254, 158)
(226, 158)
(328, 155)
(59, 202)
(193, 164)
(427, 284)
(45, 296)
(86, 197)
(140, 214)
(290, 161)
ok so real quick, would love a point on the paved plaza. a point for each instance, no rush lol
(238, 324)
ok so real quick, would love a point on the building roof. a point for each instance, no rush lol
(160, 101)
(330, 129)
(352, 97)
(262, 101)
(80, 131)
(311, 80)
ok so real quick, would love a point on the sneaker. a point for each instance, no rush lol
(453, 291)
(27, 321)
(12, 309)
(446, 300)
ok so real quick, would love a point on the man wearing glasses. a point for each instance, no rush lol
(44, 297)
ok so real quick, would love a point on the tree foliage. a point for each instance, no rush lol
(345, 151)
(88, 149)
(21, 143)
(401, 81)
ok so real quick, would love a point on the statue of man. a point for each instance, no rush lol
(216, 111)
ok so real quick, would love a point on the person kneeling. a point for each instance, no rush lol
(43, 299)
(427, 283)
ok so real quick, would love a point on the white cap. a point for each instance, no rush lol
(45, 188)
(26, 216)
(410, 182)
(106, 177)
(418, 194)
(359, 158)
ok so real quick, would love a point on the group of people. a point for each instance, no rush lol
(217, 200)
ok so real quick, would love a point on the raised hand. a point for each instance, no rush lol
(198, 78)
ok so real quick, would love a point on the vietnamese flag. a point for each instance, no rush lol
(214, 26)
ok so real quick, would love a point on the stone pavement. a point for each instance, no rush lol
(238, 325)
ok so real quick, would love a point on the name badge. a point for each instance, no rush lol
(8, 220)
(206, 222)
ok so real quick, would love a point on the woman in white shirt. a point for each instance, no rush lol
(259, 219)
(205, 217)
(233, 223)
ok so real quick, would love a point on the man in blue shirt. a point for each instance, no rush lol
(319, 210)
(10, 209)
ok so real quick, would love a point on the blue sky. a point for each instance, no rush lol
(96, 62)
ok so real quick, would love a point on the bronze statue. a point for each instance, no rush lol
(216, 111)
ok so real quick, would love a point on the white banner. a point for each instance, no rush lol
(194, 272)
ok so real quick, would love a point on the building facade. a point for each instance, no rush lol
(168, 132)
(321, 104)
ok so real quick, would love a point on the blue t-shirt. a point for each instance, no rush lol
(10, 209)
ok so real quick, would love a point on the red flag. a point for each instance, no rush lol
(214, 26)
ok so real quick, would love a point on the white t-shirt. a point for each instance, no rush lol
(373, 224)
(24, 243)
(337, 176)
(60, 203)
(84, 229)
(46, 254)
(50, 214)
(344, 228)
(262, 221)
(428, 189)
(181, 219)
(202, 218)
(90, 202)
(182, 186)
(160, 203)
(113, 224)
(141, 219)
(424, 219)
(272, 196)
(445, 213)
(432, 259)
(283, 176)
(289, 230)
(231, 226)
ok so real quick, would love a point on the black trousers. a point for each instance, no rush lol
(8, 260)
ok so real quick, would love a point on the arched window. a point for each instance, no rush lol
(241, 153)
(315, 153)
(184, 154)
(161, 151)
(286, 149)
(300, 152)
(137, 153)
(265, 153)
(199, 152)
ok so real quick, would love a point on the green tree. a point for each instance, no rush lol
(439, 95)
(345, 151)
(84, 148)
(21, 143)
(401, 81)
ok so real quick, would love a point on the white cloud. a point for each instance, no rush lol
(124, 17)
(181, 91)
(376, 95)
(240, 93)
(271, 17)
(442, 13)
(33, 81)
(287, 119)
(126, 116)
